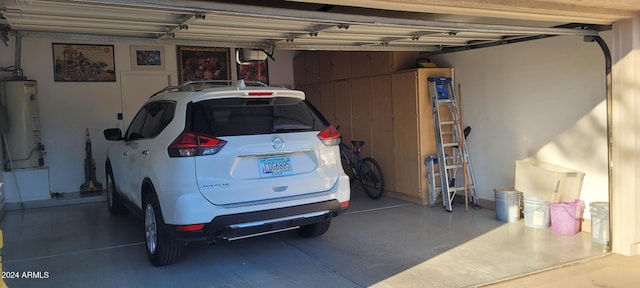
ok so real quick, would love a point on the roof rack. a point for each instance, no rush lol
(203, 84)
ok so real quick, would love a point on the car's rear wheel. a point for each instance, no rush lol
(314, 230)
(113, 199)
(161, 249)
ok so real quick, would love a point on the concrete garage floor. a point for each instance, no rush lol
(611, 270)
(378, 243)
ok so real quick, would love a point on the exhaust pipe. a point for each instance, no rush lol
(17, 69)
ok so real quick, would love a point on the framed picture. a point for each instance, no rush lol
(147, 57)
(203, 63)
(83, 63)
(256, 71)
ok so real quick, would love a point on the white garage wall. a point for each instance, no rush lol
(543, 99)
(68, 108)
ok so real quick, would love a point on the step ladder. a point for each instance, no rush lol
(432, 177)
(454, 165)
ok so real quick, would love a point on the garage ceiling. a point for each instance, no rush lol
(427, 25)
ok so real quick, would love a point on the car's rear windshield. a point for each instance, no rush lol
(250, 116)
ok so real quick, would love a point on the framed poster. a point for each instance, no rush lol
(83, 63)
(203, 63)
(256, 71)
(147, 57)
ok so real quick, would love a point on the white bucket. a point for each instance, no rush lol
(599, 222)
(507, 204)
(536, 212)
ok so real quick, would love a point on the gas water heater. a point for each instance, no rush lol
(23, 148)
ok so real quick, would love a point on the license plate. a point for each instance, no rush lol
(275, 166)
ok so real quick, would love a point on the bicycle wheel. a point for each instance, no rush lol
(372, 178)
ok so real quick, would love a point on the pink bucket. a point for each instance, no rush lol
(566, 217)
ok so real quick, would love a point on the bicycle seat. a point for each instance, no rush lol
(357, 143)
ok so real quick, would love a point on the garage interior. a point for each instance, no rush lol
(535, 87)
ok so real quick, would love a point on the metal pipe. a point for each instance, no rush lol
(486, 44)
(608, 66)
(17, 72)
(17, 69)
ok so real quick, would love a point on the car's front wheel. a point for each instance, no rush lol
(314, 230)
(113, 199)
(161, 249)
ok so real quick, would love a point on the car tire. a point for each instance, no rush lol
(314, 230)
(161, 249)
(113, 199)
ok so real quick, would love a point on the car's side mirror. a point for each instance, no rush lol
(112, 134)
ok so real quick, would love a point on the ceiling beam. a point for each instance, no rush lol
(584, 11)
(363, 47)
(184, 25)
(138, 40)
(332, 18)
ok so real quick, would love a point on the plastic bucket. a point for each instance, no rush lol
(599, 222)
(507, 204)
(536, 212)
(566, 217)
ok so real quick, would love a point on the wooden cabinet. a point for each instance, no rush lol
(361, 113)
(383, 62)
(340, 64)
(342, 98)
(312, 67)
(299, 70)
(360, 64)
(371, 101)
(382, 126)
(306, 68)
(328, 101)
(325, 66)
(312, 94)
(413, 131)
(372, 63)
(333, 100)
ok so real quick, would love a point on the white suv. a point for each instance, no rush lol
(201, 162)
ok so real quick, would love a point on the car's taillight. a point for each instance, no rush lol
(260, 93)
(189, 228)
(329, 136)
(190, 144)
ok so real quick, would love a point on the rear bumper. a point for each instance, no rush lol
(248, 224)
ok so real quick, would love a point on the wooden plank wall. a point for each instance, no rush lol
(382, 142)
(405, 133)
(372, 100)
(361, 113)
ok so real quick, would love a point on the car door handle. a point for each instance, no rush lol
(126, 153)
(145, 152)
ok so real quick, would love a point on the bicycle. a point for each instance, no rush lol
(366, 170)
